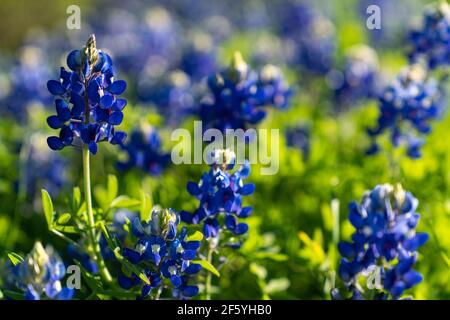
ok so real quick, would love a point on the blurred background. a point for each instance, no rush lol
(165, 50)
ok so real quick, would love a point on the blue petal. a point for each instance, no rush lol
(189, 254)
(241, 228)
(176, 281)
(193, 268)
(248, 189)
(74, 60)
(66, 294)
(192, 245)
(55, 143)
(54, 122)
(125, 282)
(93, 147)
(190, 291)
(117, 87)
(245, 212)
(346, 249)
(62, 109)
(193, 188)
(106, 101)
(119, 104)
(115, 118)
(66, 135)
(55, 88)
(118, 137)
(411, 278)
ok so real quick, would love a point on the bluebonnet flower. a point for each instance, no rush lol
(359, 78)
(298, 137)
(220, 194)
(199, 56)
(385, 238)
(25, 88)
(163, 253)
(41, 168)
(432, 41)
(238, 96)
(87, 106)
(312, 35)
(144, 151)
(411, 100)
(40, 274)
(173, 94)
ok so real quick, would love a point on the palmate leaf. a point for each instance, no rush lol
(124, 202)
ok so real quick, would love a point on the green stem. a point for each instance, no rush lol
(208, 274)
(94, 246)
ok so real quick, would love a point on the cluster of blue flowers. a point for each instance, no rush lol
(87, 106)
(144, 151)
(431, 42)
(238, 96)
(385, 238)
(163, 254)
(40, 275)
(359, 78)
(411, 100)
(220, 192)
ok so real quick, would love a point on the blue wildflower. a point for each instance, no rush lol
(432, 40)
(298, 137)
(144, 151)
(359, 78)
(312, 36)
(385, 238)
(87, 106)
(40, 274)
(411, 100)
(163, 254)
(238, 96)
(220, 194)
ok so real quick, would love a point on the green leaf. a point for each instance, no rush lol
(146, 206)
(127, 264)
(113, 187)
(14, 258)
(258, 270)
(93, 282)
(64, 218)
(196, 236)
(65, 229)
(124, 202)
(208, 266)
(47, 205)
(277, 285)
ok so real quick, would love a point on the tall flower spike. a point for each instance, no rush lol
(220, 194)
(239, 95)
(87, 103)
(385, 241)
(163, 254)
(411, 101)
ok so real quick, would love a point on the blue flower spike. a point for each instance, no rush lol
(384, 244)
(87, 104)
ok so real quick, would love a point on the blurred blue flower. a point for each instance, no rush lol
(312, 36)
(40, 274)
(359, 78)
(411, 100)
(385, 238)
(144, 151)
(431, 41)
(87, 105)
(220, 194)
(238, 96)
(299, 138)
(25, 89)
(163, 254)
